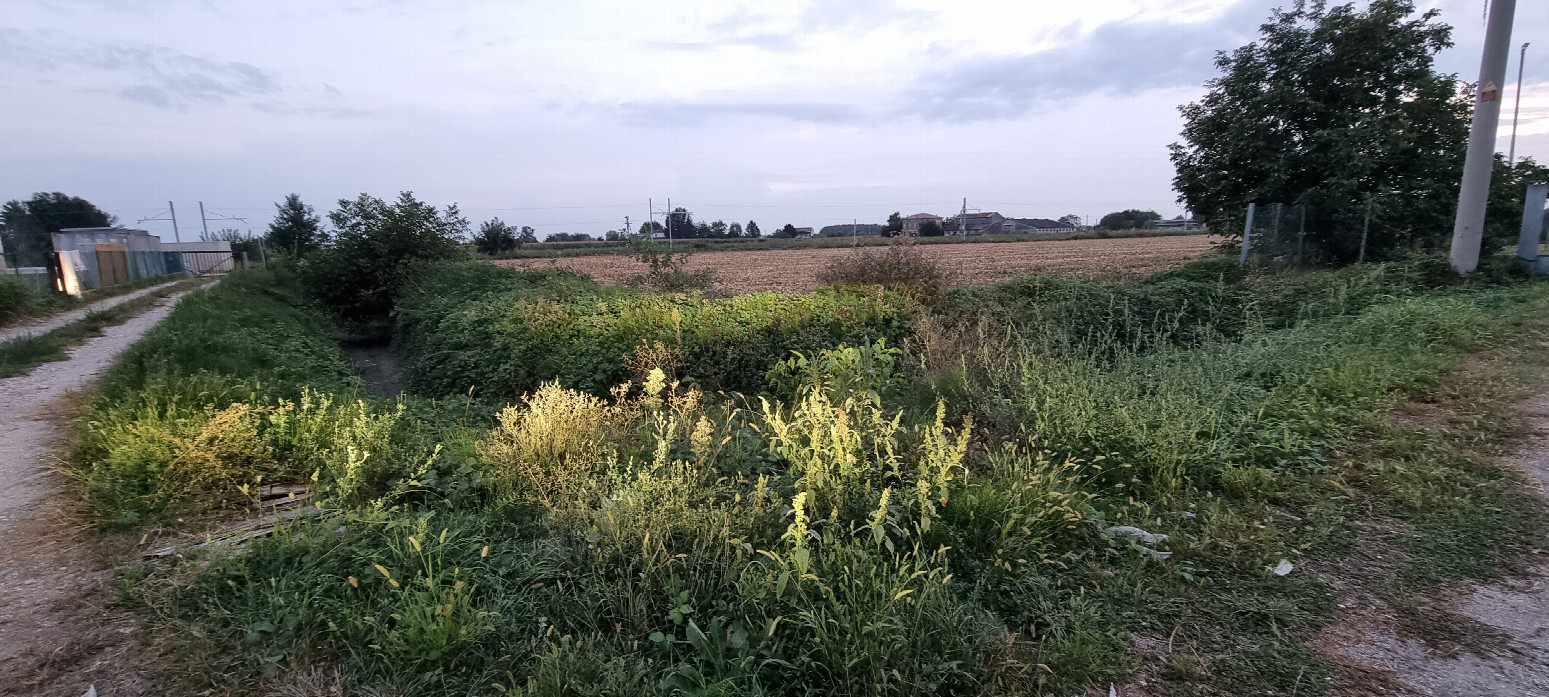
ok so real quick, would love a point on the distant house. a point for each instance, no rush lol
(803, 232)
(1179, 223)
(980, 223)
(912, 223)
(1036, 225)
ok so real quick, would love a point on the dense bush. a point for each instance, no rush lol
(376, 247)
(1207, 300)
(540, 327)
(900, 267)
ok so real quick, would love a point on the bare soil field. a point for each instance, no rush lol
(796, 270)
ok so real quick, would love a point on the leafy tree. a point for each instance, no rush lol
(241, 242)
(1331, 108)
(375, 249)
(788, 231)
(718, 229)
(752, 230)
(526, 235)
(649, 228)
(680, 224)
(734, 230)
(895, 225)
(1130, 219)
(296, 229)
(568, 237)
(495, 236)
(28, 224)
(931, 228)
(1072, 220)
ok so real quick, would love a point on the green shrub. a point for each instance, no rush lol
(375, 251)
(901, 267)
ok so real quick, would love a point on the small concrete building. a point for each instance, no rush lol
(99, 257)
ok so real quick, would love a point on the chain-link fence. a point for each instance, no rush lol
(1298, 235)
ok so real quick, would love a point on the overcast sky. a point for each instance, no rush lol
(568, 115)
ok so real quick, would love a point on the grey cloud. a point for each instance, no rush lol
(281, 109)
(1124, 57)
(688, 114)
(854, 17)
(157, 75)
(1114, 58)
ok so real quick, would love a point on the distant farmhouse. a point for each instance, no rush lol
(990, 223)
(996, 224)
(912, 223)
(1179, 223)
(803, 232)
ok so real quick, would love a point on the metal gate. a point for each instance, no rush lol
(112, 265)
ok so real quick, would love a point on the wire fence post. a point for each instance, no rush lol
(1247, 234)
(1532, 222)
(1365, 228)
(1301, 234)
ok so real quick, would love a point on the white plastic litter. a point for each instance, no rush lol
(91, 691)
(1137, 533)
(1284, 567)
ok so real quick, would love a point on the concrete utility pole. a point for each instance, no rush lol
(172, 211)
(1511, 157)
(1468, 228)
(205, 224)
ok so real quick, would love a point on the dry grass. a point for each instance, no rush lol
(797, 270)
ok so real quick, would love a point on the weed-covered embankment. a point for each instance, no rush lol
(503, 333)
(1051, 508)
(241, 387)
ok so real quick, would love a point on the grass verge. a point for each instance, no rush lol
(20, 300)
(19, 356)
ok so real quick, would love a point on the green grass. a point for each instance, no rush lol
(941, 520)
(20, 356)
(20, 300)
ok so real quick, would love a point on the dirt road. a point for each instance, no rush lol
(1515, 611)
(48, 324)
(56, 638)
(796, 270)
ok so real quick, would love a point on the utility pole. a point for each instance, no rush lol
(173, 211)
(962, 220)
(204, 223)
(669, 222)
(627, 232)
(650, 206)
(1474, 192)
(1511, 158)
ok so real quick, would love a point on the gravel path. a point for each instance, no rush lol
(27, 434)
(50, 324)
(1516, 608)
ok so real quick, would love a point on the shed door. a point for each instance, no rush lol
(112, 265)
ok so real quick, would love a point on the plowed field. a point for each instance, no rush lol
(796, 270)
